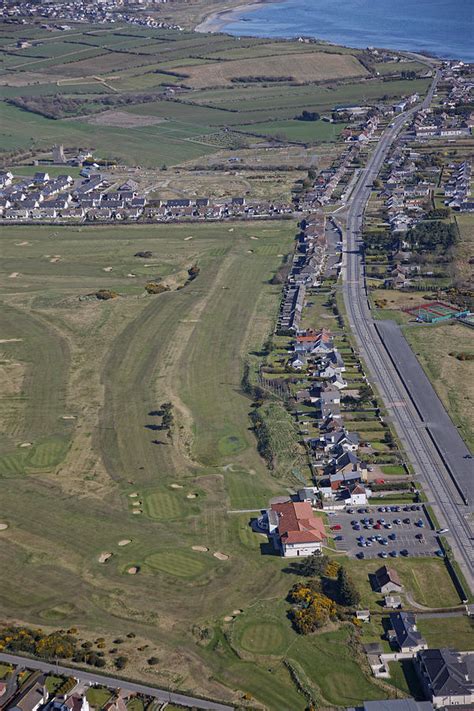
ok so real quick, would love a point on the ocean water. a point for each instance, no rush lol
(444, 28)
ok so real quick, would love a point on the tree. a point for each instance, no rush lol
(314, 565)
(348, 593)
(121, 662)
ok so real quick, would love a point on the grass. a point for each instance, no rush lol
(110, 366)
(452, 379)
(416, 576)
(297, 131)
(404, 677)
(98, 696)
(455, 632)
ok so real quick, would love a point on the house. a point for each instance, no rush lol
(363, 615)
(41, 178)
(77, 702)
(354, 494)
(387, 580)
(408, 704)
(393, 602)
(294, 528)
(404, 633)
(34, 696)
(297, 362)
(446, 676)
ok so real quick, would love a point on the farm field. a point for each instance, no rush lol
(436, 347)
(94, 89)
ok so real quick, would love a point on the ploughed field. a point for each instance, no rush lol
(153, 97)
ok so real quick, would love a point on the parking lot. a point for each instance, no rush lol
(396, 531)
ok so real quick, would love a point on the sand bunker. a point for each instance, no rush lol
(68, 417)
(55, 259)
(253, 237)
(107, 269)
(26, 444)
(21, 244)
(10, 340)
(14, 275)
(134, 495)
(3, 526)
(250, 251)
(131, 275)
(228, 618)
(104, 557)
(176, 486)
(237, 612)
(124, 542)
(220, 556)
(191, 496)
(136, 503)
(137, 511)
(188, 238)
(200, 549)
(133, 570)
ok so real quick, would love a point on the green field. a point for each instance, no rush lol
(84, 72)
(107, 367)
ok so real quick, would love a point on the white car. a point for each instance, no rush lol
(442, 530)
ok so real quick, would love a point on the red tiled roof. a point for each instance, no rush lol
(298, 524)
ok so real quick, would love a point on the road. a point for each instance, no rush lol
(114, 683)
(435, 466)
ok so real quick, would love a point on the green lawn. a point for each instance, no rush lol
(455, 632)
(298, 131)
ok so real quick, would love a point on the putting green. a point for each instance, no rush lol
(180, 564)
(264, 637)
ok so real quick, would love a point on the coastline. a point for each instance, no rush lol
(216, 21)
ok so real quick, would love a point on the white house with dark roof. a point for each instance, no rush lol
(447, 676)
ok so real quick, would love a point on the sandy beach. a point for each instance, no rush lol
(217, 20)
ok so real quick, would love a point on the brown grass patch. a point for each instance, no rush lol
(312, 66)
(121, 119)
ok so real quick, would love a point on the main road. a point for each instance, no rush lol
(438, 455)
(111, 682)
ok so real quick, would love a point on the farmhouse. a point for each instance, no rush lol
(294, 528)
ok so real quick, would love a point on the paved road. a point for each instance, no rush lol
(399, 394)
(159, 694)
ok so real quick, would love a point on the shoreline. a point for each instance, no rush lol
(216, 21)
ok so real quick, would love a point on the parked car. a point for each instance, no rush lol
(442, 530)
(404, 552)
(337, 527)
(383, 554)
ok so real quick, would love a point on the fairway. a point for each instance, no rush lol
(178, 563)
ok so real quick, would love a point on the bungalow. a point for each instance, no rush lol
(404, 633)
(446, 676)
(387, 580)
(294, 529)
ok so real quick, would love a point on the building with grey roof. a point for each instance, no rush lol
(447, 676)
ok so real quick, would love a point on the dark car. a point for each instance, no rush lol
(404, 552)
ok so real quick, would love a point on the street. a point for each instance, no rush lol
(397, 391)
(114, 683)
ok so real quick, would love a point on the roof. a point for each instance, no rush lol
(398, 705)
(297, 523)
(449, 674)
(404, 626)
(386, 575)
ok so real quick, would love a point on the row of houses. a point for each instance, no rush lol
(341, 478)
(95, 198)
(92, 11)
(306, 268)
(457, 187)
(327, 180)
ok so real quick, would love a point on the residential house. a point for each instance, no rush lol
(32, 698)
(355, 494)
(404, 633)
(407, 704)
(393, 602)
(363, 615)
(294, 529)
(446, 676)
(387, 580)
(374, 653)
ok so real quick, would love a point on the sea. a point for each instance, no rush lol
(443, 28)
